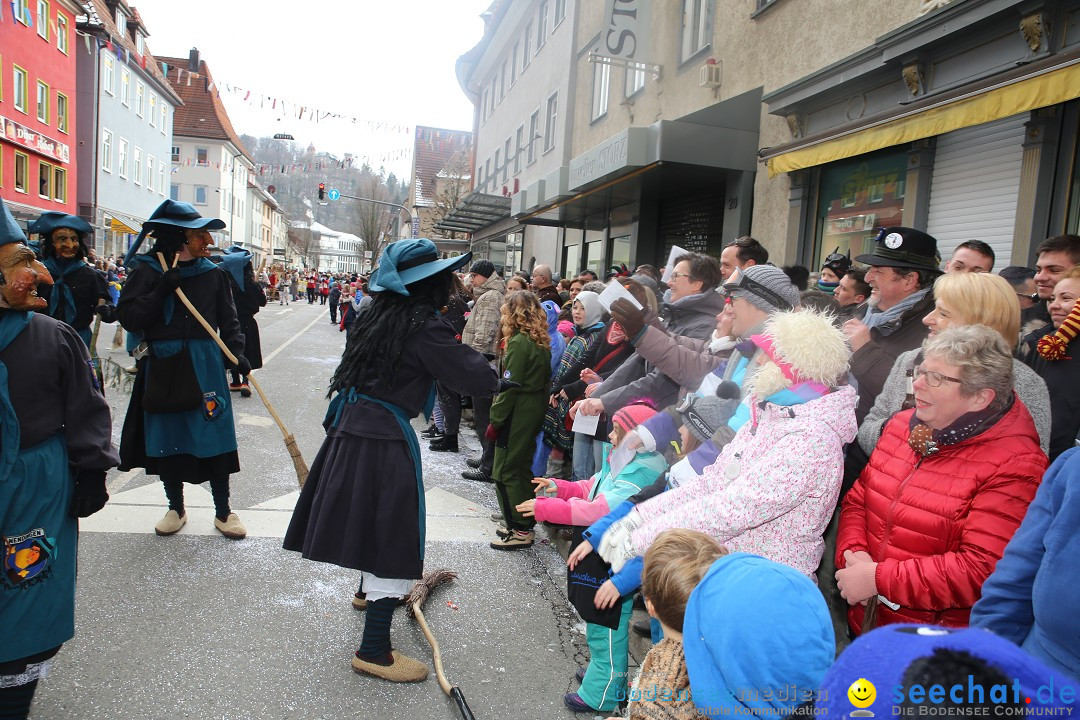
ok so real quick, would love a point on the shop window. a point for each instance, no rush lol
(571, 260)
(856, 198)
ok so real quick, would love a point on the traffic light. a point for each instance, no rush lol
(322, 191)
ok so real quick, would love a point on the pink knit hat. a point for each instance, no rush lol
(632, 415)
(768, 345)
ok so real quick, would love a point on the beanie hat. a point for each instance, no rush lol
(757, 638)
(593, 309)
(484, 268)
(884, 657)
(766, 287)
(703, 416)
(632, 415)
(1052, 347)
(806, 346)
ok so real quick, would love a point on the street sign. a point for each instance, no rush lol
(333, 194)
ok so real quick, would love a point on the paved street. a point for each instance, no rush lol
(197, 626)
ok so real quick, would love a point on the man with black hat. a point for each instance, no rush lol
(78, 291)
(903, 267)
(55, 448)
(179, 424)
(480, 333)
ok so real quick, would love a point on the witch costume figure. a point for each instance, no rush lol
(55, 449)
(363, 504)
(248, 296)
(179, 424)
(78, 291)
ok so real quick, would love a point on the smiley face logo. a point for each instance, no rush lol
(862, 693)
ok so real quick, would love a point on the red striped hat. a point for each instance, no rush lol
(632, 415)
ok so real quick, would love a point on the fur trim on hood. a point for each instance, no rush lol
(806, 345)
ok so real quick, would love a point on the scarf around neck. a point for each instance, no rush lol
(879, 318)
(926, 441)
(61, 293)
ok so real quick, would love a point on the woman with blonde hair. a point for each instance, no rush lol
(524, 351)
(963, 299)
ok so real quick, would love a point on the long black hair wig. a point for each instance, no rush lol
(378, 334)
(168, 240)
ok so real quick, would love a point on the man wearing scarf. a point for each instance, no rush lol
(54, 452)
(78, 291)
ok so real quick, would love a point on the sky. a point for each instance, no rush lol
(389, 65)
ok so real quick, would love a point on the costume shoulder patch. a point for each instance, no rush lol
(27, 558)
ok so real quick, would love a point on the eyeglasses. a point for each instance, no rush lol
(1033, 297)
(933, 378)
(679, 275)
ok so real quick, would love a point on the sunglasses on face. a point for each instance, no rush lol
(1033, 297)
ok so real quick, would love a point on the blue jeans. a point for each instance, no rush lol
(585, 456)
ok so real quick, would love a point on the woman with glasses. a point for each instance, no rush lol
(944, 491)
(962, 299)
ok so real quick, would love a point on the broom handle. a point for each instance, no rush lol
(443, 682)
(225, 349)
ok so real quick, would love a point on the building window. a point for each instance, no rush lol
(856, 197)
(497, 167)
(22, 173)
(202, 156)
(519, 144)
(61, 33)
(696, 27)
(139, 99)
(560, 13)
(45, 180)
(42, 102)
(138, 166)
(635, 80)
(506, 165)
(550, 122)
(164, 116)
(541, 25)
(534, 135)
(200, 194)
(43, 18)
(513, 64)
(526, 47)
(174, 192)
(62, 112)
(175, 154)
(21, 8)
(601, 84)
(121, 22)
(125, 87)
(60, 185)
(21, 88)
(107, 76)
(106, 150)
(494, 88)
(161, 177)
(140, 43)
(153, 110)
(150, 173)
(121, 162)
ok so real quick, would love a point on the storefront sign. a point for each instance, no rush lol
(33, 140)
(628, 29)
(626, 150)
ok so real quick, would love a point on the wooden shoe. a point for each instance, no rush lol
(171, 523)
(403, 669)
(232, 528)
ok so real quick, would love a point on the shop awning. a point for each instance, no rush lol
(119, 226)
(476, 210)
(1020, 91)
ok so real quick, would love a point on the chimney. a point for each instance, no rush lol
(193, 60)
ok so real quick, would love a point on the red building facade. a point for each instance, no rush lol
(37, 107)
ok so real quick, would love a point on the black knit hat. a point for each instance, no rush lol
(903, 247)
(485, 268)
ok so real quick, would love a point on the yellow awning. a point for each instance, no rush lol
(1050, 87)
(119, 226)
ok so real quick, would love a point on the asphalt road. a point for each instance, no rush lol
(198, 626)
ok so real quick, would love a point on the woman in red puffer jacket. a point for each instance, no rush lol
(944, 491)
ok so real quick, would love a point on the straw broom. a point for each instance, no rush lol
(415, 599)
(290, 442)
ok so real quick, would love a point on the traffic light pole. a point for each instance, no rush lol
(390, 204)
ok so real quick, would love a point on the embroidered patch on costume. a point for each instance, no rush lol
(506, 375)
(212, 406)
(894, 240)
(27, 558)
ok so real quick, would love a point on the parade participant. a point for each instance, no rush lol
(311, 280)
(248, 298)
(524, 353)
(363, 504)
(78, 292)
(179, 424)
(334, 299)
(55, 451)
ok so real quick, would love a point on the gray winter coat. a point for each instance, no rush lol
(482, 327)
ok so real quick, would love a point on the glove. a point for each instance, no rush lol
(491, 434)
(90, 494)
(622, 554)
(107, 312)
(505, 384)
(629, 317)
(169, 281)
(242, 366)
(618, 533)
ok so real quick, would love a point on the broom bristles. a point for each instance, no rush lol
(425, 585)
(298, 460)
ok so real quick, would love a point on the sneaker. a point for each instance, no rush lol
(234, 387)
(502, 532)
(171, 523)
(477, 475)
(245, 390)
(231, 528)
(446, 443)
(574, 702)
(580, 674)
(474, 463)
(431, 432)
(516, 540)
(402, 669)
